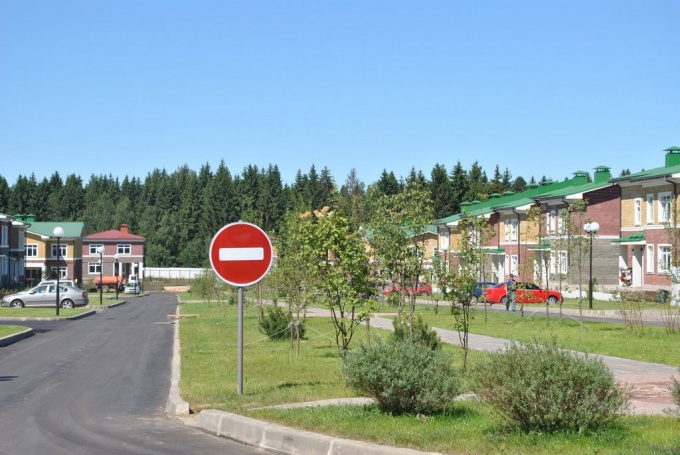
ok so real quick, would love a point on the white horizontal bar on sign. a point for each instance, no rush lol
(242, 254)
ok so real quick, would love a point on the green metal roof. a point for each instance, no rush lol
(72, 229)
(633, 238)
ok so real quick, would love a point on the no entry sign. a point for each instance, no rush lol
(241, 254)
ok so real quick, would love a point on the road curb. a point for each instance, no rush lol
(268, 436)
(175, 405)
(10, 339)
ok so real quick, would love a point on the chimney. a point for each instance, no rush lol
(124, 229)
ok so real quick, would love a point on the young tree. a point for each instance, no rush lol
(337, 258)
(397, 225)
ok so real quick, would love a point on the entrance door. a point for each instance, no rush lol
(637, 265)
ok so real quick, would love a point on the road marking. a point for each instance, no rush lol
(242, 254)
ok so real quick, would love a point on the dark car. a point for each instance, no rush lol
(479, 291)
(526, 293)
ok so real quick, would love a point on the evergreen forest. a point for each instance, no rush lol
(178, 213)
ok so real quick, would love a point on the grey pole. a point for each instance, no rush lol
(239, 387)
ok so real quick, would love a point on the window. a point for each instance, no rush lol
(5, 235)
(650, 209)
(94, 247)
(94, 268)
(62, 250)
(664, 207)
(31, 250)
(650, 258)
(550, 228)
(561, 216)
(637, 208)
(63, 272)
(558, 262)
(124, 248)
(513, 264)
(510, 230)
(664, 259)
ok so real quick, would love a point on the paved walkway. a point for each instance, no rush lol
(649, 383)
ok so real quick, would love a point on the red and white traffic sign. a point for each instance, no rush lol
(241, 254)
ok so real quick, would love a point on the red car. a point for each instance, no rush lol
(421, 289)
(526, 293)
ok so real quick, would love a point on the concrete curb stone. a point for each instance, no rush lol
(10, 339)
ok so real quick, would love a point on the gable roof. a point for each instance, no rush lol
(113, 234)
(45, 229)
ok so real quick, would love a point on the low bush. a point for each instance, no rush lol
(403, 377)
(276, 324)
(548, 388)
(422, 333)
(675, 395)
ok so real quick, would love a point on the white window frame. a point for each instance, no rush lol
(551, 215)
(650, 259)
(125, 249)
(637, 211)
(62, 247)
(664, 207)
(94, 268)
(558, 262)
(30, 249)
(510, 229)
(94, 247)
(650, 208)
(63, 271)
(560, 221)
(664, 263)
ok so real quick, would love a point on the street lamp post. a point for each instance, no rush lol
(58, 232)
(591, 229)
(100, 250)
(116, 257)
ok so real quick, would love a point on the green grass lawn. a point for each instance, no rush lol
(273, 375)
(6, 330)
(42, 312)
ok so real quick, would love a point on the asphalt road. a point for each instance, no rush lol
(98, 385)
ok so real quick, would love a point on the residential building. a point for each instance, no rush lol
(122, 253)
(648, 209)
(47, 256)
(12, 237)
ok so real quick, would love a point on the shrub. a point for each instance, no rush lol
(547, 388)
(276, 324)
(403, 377)
(422, 333)
(675, 395)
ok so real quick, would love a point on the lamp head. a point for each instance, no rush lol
(58, 231)
(100, 250)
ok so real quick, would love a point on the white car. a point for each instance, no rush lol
(132, 288)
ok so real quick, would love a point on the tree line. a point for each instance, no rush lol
(178, 213)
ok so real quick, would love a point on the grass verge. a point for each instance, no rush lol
(274, 375)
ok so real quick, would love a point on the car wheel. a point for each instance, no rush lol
(67, 304)
(473, 300)
(423, 294)
(504, 300)
(17, 304)
(552, 300)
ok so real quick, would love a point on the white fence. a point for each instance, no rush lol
(172, 272)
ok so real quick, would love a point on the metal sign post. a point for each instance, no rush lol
(241, 255)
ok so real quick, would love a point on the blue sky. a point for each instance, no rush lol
(543, 88)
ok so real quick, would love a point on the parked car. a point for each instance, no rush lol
(526, 293)
(132, 287)
(64, 281)
(45, 295)
(479, 291)
(422, 289)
